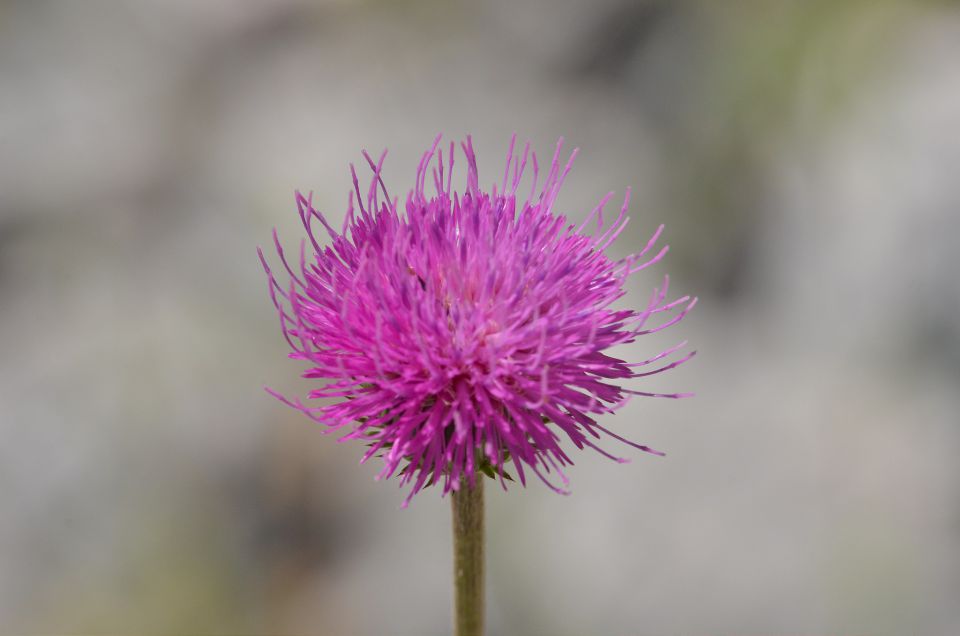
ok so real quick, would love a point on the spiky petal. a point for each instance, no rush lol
(470, 332)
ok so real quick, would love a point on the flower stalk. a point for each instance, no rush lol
(468, 558)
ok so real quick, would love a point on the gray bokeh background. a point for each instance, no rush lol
(804, 156)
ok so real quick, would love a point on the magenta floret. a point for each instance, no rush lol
(468, 333)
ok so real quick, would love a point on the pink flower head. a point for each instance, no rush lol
(469, 333)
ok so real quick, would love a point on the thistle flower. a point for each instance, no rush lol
(469, 335)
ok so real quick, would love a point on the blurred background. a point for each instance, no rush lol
(804, 155)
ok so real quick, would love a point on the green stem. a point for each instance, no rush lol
(468, 558)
